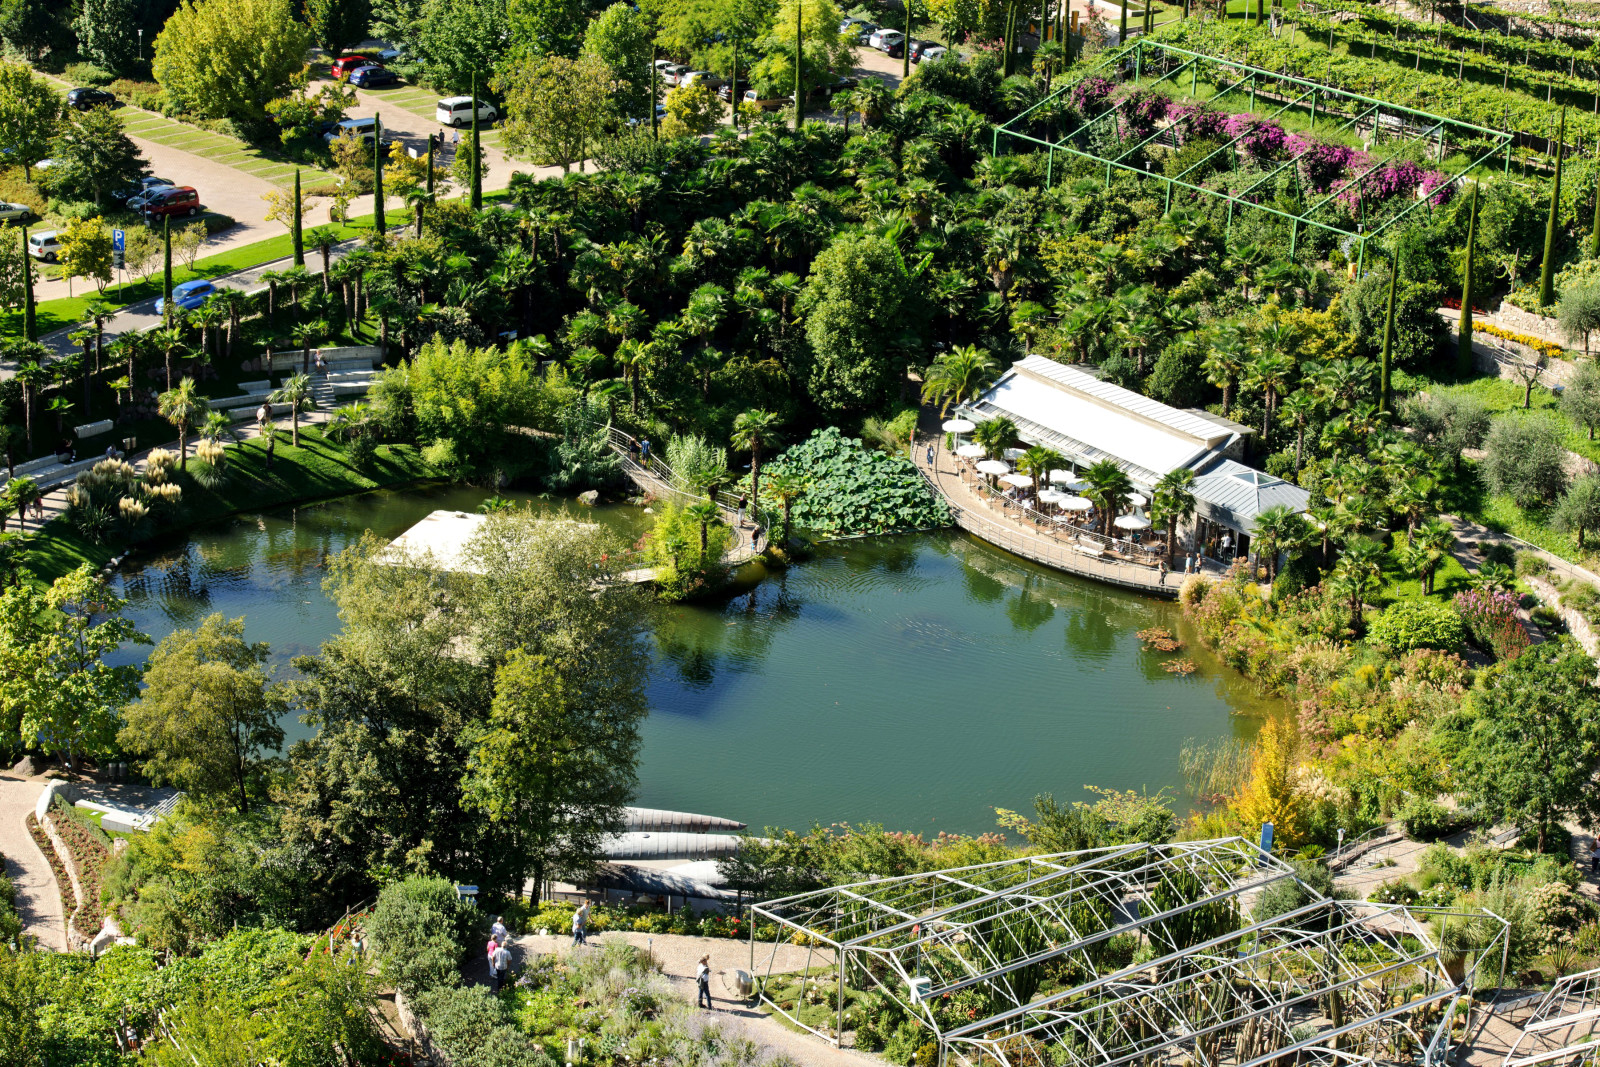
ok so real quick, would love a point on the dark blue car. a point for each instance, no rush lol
(372, 77)
(188, 295)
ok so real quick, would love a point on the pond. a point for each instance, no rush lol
(917, 681)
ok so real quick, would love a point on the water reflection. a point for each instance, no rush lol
(916, 681)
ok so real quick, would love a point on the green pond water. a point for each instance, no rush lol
(916, 681)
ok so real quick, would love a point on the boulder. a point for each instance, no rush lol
(590, 498)
(25, 767)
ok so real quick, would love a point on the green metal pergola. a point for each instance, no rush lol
(1340, 110)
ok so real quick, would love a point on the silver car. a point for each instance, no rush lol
(10, 212)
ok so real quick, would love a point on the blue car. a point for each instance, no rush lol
(372, 77)
(188, 295)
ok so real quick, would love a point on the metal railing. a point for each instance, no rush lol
(1143, 554)
(659, 475)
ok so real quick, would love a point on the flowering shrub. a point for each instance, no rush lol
(1089, 96)
(1198, 122)
(1260, 139)
(1492, 619)
(1434, 188)
(1323, 163)
(1538, 344)
(1141, 110)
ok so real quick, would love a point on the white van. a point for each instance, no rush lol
(45, 245)
(457, 111)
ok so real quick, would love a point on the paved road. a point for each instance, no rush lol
(38, 899)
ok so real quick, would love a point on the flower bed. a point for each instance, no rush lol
(1492, 618)
(88, 857)
(63, 879)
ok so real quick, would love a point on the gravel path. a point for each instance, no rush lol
(679, 955)
(38, 899)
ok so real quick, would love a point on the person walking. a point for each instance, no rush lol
(702, 981)
(498, 931)
(644, 451)
(930, 455)
(744, 502)
(1162, 568)
(488, 953)
(1188, 563)
(580, 925)
(502, 967)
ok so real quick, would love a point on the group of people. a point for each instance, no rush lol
(499, 955)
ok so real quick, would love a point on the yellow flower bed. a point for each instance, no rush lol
(1538, 344)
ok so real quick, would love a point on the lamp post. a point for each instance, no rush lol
(140, 32)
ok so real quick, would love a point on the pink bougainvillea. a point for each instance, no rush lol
(1141, 110)
(1089, 95)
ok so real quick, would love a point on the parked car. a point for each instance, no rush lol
(861, 28)
(766, 103)
(673, 74)
(177, 200)
(883, 40)
(391, 55)
(838, 85)
(457, 111)
(122, 196)
(661, 116)
(370, 77)
(45, 245)
(365, 129)
(700, 77)
(915, 47)
(344, 65)
(83, 99)
(188, 295)
(726, 92)
(937, 51)
(10, 212)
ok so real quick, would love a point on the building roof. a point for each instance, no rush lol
(1076, 412)
(441, 536)
(1234, 494)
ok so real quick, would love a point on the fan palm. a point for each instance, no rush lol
(705, 513)
(296, 392)
(182, 405)
(23, 493)
(1109, 485)
(786, 489)
(1358, 574)
(169, 339)
(995, 435)
(1038, 462)
(1279, 530)
(753, 430)
(1429, 545)
(1172, 502)
(1298, 407)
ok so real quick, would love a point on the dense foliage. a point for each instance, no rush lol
(853, 489)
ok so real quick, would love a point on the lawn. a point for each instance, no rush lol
(318, 469)
(1398, 583)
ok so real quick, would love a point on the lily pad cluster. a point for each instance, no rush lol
(850, 488)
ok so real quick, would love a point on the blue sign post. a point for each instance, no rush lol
(118, 245)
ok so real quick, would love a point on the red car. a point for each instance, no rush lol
(345, 64)
(180, 200)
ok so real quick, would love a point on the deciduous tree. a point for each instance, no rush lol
(620, 38)
(93, 156)
(86, 251)
(229, 58)
(107, 33)
(338, 24)
(29, 111)
(207, 719)
(555, 111)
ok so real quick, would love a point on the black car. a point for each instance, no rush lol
(917, 48)
(84, 99)
(726, 92)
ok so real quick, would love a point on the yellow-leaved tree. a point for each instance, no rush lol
(1270, 794)
(230, 58)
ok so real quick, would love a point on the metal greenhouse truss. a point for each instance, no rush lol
(1560, 1031)
(1388, 129)
(1140, 954)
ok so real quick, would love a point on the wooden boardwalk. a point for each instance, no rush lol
(1004, 529)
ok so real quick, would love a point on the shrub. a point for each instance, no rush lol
(1531, 564)
(1285, 895)
(1427, 820)
(420, 931)
(1413, 624)
(1396, 891)
(1524, 458)
(1547, 618)
(1192, 591)
(1492, 619)
(88, 74)
(140, 94)
(475, 1029)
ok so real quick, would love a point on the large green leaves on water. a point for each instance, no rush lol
(854, 489)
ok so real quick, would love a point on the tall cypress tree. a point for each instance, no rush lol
(1464, 338)
(1123, 31)
(1547, 295)
(295, 227)
(477, 174)
(1594, 227)
(1387, 361)
(655, 91)
(799, 78)
(30, 320)
(166, 268)
(378, 220)
(905, 53)
(430, 163)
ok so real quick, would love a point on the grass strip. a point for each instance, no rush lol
(317, 470)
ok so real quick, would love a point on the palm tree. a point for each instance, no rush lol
(303, 334)
(1109, 484)
(169, 339)
(208, 316)
(1225, 361)
(217, 426)
(234, 303)
(323, 239)
(1429, 545)
(1298, 407)
(1412, 498)
(23, 493)
(995, 435)
(786, 489)
(296, 392)
(1278, 529)
(1039, 461)
(33, 375)
(182, 406)
(1270, 371)
(418, 198)
(705, 513)
(754, 430)
(1173, 503)
(958, 376)
(350, 421)
(1358, 574)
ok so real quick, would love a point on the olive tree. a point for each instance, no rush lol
(1524, 458)
(1580, 400)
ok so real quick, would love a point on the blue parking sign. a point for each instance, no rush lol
(117, 244)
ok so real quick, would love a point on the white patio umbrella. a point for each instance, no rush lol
(1131, 522)
(1076, 503)
(1049, 496)
(971, 451)
(1018, 480)
(1062, 476)
(1077, 486)
(959, 426)
(994, 466)
(1136, 499)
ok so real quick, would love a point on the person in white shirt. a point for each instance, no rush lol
(702, 981)
(498, 930)
(502, 967)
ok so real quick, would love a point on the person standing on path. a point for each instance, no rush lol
(488, 953)
(1162, 568)
(702, 981)
(502, 966)
(498, 931)
(930, 455)
(580, 925)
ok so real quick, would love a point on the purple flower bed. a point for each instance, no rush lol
(1322, 163)
(1492, 618)
(1089, 96)
(1141, 110)
(1199, 121)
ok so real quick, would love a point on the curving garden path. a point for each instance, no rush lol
(38, 897)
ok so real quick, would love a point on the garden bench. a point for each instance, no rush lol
(92, 429)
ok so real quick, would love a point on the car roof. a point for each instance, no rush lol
(351, 124)
(42, 236)
(454, 100)
(190, 286)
